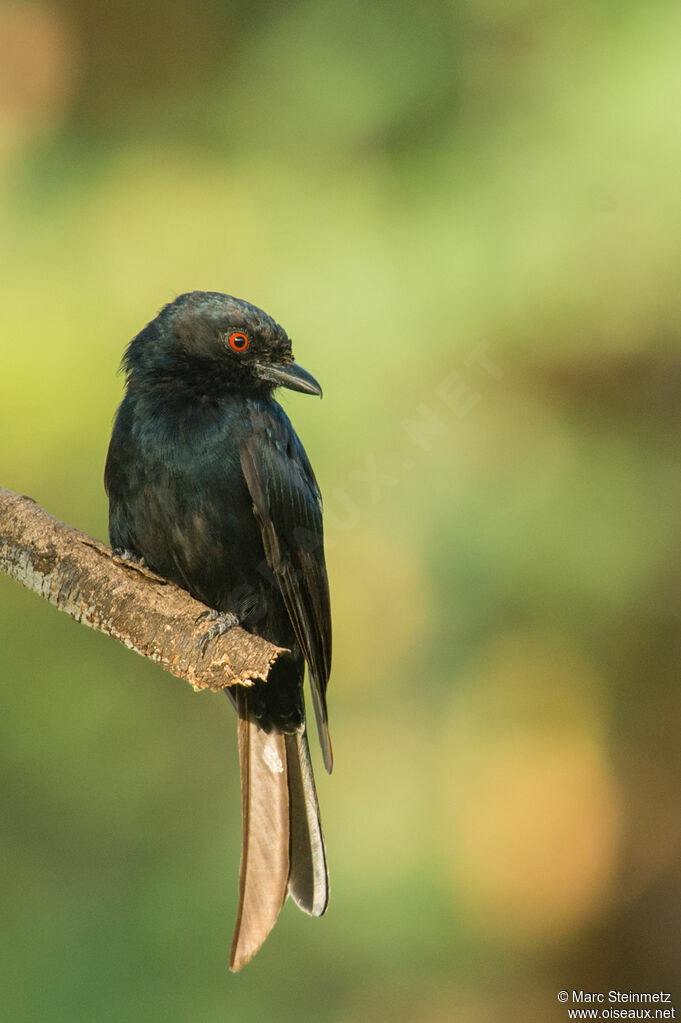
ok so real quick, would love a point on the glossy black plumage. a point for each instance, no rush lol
(208, 482)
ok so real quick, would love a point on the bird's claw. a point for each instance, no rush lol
(222, 621)
(129, 557)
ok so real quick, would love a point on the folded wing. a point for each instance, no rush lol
(287, 506)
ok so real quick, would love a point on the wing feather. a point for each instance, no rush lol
(287, 506)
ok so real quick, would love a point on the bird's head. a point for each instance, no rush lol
(218, 342)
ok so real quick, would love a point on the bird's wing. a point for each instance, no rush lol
(287, 505)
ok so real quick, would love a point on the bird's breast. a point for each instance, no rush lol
(179, 499)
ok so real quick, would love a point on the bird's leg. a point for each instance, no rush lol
(222, 621)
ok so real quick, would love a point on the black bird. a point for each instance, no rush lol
(210, 486)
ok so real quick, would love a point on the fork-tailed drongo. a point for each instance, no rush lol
(209, 484)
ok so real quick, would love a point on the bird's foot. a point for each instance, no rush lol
(222, 621)
(123, 554)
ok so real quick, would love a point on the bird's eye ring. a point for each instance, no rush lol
(238, 341)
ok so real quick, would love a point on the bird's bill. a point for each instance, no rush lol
(292, 376)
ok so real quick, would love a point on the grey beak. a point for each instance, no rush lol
(292, 376)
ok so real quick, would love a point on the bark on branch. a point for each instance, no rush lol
(148, 614)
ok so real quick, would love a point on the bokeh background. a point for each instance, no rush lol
(468, 216)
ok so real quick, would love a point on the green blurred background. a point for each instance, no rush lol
(468, 216)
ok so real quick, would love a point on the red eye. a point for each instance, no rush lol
(239, 342)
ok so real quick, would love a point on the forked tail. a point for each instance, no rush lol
(282, 848)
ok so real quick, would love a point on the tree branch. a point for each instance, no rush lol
(148, 614)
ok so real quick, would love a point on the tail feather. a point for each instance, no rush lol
(264, 873)
(308, 882)
(282, 848)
